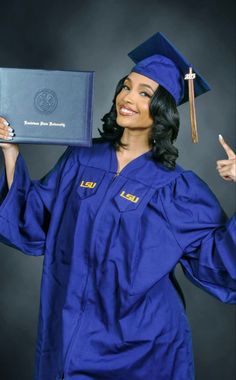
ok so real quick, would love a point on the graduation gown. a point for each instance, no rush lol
(109, 309)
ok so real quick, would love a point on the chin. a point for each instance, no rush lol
(124, 122)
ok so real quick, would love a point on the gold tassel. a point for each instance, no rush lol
(190, 77)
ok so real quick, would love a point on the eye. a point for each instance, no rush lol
(125, 87)
(144, 93)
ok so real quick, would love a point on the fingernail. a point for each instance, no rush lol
(220, 137)
(6, 123)
(10, 129)
(9, 138)
(11, 134)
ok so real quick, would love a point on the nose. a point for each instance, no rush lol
(129, 97)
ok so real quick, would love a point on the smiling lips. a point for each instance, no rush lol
(126, 111)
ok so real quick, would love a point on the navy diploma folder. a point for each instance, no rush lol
(47, 106)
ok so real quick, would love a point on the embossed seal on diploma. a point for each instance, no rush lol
(45, 101)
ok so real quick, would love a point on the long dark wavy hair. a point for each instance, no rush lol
(164, 130)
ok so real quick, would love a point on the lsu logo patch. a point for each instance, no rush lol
(88, 184)
(129, 197)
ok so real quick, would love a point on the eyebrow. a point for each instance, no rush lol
(141, 84)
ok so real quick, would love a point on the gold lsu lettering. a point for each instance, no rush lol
(88, 184)
(129, 197)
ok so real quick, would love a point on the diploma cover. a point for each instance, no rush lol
(47, 106)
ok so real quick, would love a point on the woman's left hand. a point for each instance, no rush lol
(227, 168)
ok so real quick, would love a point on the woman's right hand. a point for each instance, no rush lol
(7, 133)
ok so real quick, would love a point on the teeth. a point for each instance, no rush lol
(126, 111)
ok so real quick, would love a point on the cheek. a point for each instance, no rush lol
(118, 98)
(146, 111)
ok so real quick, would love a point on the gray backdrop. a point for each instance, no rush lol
(96, 35)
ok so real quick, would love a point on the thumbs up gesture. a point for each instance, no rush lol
(227, 168)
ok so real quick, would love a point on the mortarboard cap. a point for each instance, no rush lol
(157, 59)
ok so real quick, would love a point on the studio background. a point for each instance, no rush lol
(97, 35)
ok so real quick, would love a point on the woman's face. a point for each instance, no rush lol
(133, 102)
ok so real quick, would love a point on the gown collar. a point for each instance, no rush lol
(145, 169)
(136, 163)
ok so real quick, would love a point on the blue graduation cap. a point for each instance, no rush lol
(157, 59)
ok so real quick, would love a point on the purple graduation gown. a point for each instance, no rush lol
(109, 310)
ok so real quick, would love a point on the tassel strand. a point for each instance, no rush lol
(193, 121)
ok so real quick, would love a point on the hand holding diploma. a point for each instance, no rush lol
(10, 151)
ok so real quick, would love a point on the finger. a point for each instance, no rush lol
(230, 153)
(4, 127)
(4, 121)
(227, 178)
(224, 172)
(221, 163)
(227, 172)
(226, 163)
(7, 136)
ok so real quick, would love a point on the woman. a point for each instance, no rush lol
(113, 221)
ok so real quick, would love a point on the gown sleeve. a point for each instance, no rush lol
(205, 235)
(25, 209)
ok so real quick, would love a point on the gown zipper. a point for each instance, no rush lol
(115, 175)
